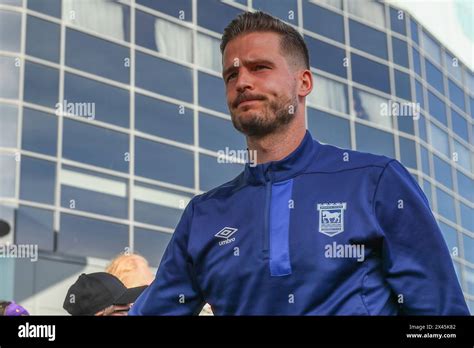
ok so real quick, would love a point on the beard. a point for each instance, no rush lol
(272, 116)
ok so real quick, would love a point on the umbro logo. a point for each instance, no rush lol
(225, 234)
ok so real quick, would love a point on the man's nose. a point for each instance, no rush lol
(244, 81)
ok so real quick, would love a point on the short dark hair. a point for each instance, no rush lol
(291, 42)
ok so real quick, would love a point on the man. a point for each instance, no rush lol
(311, 229)
(100, 294)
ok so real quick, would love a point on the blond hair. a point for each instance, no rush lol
(131, 269)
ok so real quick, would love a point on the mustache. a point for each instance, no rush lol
(245, 97)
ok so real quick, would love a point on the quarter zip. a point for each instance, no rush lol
(268, 201)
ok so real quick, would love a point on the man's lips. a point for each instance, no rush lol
(248, 102)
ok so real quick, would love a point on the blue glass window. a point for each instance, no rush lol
(368, 106)
(408, 152)
(374, 140)
(48, 7)
(164, 119)
(469, 253)
(422, 128)
(456, 95)
(437, 108)
(10, 31)
(159, 206)
(402, 85)
(439, 140)
(414, 31)
(425, 161)
(454, 67)
(460, 125)
(180, 9)
(164, 77)
(212, 92)
(85, 237)
(472, 106)
(160, 35)
(397, 21)
(465, 186)
(151, 244)
(368, 39)
(97, 56)
(215, 15)
(110, 104)
(8, 125)
(431, 47)
(370, 73)
(216, 134)
(400, 52)
(108, 18)
(416, 61)
(443, 172)
(467, 217)
(450, 235)
(405, 124)
(463, 155)
(434, 76)
(164, 162)
(39, 132)
(446, 205)
(323, 22)
(328, 128)
(36, 78)
(93, 192)
(331, 61)
(427, 192)
(9, 175)
(95, 145)
(37, 180)
(212, 173)
(34, 226)
(419, 94)
(42, 39)
(10, 73)
(328, 93)
(286, 10)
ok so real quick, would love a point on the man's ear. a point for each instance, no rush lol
(305, 83)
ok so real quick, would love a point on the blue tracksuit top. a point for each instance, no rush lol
(324, 231)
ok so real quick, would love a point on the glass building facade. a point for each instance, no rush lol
(113, 114)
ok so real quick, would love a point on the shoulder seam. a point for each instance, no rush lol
(375, 193)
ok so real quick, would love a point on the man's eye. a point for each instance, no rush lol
(231, 76)
(259, 67)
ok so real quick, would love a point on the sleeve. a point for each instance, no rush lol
(174, 290)
(416, 260)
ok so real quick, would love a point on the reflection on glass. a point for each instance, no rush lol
(8, 125)
(328, 94)
(39, 132)
(37, 180)
(35, 226)
(85, 237)
(170, 39)
(212, 173)
(370, 107)
(151, 244)
(208, 52)
(9, 71)
(322, 21)
(329, 129)
(108, 18)
(370, 10)
(439, 140)
(10, 29)
(8, 177)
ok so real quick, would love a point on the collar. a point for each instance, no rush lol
(290, 166)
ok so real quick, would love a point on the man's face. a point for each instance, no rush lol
(260, 84)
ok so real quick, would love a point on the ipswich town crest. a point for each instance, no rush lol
(331, 218)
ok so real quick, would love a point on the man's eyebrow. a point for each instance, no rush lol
(248, 62)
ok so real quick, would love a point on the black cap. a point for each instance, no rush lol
(94, 292)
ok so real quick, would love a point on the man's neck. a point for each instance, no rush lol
(276, 146)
